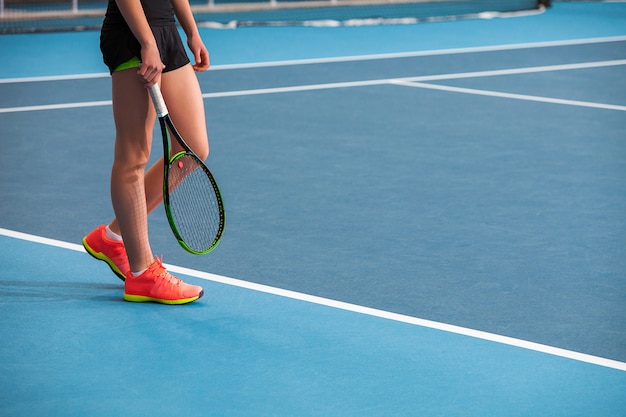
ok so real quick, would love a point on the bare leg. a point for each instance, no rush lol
(182, 94)
(153, 185)
(183, 97)
(134, 121)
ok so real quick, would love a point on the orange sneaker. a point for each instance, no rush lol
(110, 251)
(158, 285)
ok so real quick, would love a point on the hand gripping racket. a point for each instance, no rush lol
(191, 197)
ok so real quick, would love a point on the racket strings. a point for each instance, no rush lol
(194, 204)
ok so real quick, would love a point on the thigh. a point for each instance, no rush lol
(134, 116)
(181, 92)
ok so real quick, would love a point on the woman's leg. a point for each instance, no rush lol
(134, 121)
(181, 92)
(183, 97)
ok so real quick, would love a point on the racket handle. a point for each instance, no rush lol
(157, 99)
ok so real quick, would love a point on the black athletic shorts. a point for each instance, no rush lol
(119, 45)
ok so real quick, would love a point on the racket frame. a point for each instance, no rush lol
(167, 128)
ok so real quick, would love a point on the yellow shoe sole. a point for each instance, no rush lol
(144, 299)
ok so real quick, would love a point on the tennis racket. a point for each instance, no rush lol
(192, 199)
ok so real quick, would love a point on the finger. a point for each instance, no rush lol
(148, 74)
(202, 61)
(153, 81)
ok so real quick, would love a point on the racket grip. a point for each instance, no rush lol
(157, 99)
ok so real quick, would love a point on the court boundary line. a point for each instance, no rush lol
(513, 96)
(351, 58)
(431, 52)
(340, 305)
(384, 81)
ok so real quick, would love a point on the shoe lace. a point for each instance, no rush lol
(166, 277)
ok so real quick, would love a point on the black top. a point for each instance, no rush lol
(158, 13)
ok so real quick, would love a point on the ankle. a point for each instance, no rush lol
(136, 274)
(111, 235)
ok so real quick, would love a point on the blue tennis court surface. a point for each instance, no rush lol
(422, 220)
(77, 349)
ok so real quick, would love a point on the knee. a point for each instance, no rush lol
(203, 151)
(132, 152)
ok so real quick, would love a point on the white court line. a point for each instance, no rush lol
(351, 84)
(353, 58)
(434, 52)
(516, 71)
(505, 340)
(53, 78)
(55, 106)
(510, 95)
